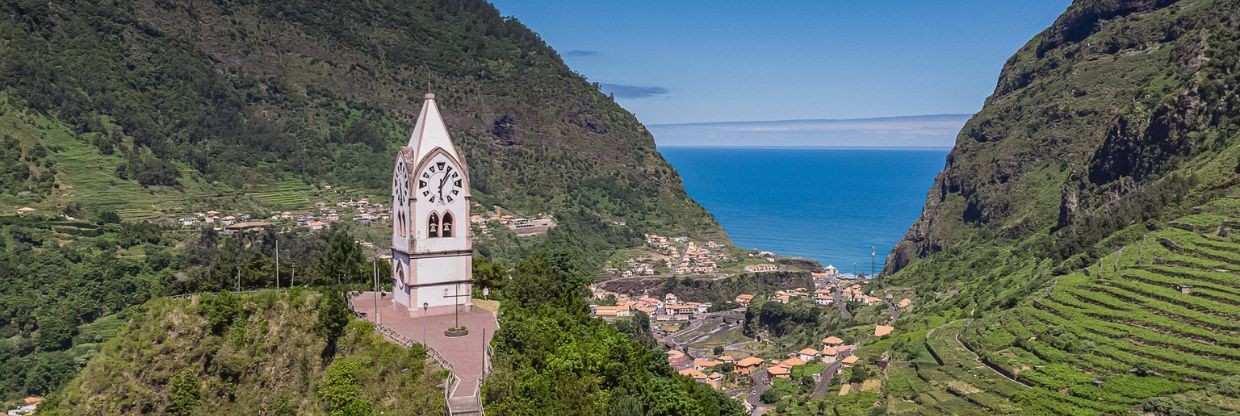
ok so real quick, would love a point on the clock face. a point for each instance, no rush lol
(440, 183)
(400, 185)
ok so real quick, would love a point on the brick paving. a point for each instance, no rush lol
(466, 354)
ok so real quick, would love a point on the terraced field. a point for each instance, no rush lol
(1159, 318)
(87, 176)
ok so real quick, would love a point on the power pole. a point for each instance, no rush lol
(238, 277)
(374, 264)
(277, 262)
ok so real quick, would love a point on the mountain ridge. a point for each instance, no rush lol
(213, 98)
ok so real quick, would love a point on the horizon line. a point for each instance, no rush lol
(807, 120)
(801, 147)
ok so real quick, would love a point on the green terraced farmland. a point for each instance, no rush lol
(1159, 318)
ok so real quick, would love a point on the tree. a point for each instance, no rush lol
(56, 332)
(109, 217)
(487, 274)
(342, 259)
(859, 374)
(183, 392)
(333, 318)
(536, 281)
(341, 392)
(718, 350)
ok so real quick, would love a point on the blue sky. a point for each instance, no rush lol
(690, 61)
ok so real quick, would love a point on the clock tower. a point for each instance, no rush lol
(431, 248)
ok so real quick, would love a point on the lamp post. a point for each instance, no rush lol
(375, 275)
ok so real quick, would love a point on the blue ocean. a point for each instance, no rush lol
(831, 205)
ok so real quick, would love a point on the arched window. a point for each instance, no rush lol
(401, 224)
(447, 224)
(433, 225)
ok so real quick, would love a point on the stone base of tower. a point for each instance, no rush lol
(436, 299)
(439, 310)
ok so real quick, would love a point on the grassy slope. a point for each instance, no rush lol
(85, 175)
(265, 363)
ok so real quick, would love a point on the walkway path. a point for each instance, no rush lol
(465, 356)
(824, 378)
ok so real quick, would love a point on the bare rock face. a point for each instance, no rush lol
(1086, 117)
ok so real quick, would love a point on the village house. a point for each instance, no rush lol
(807, 354)
(715, 380)
(694, 374)
(678, 360)
(744, 299)
(704, 364)
(761, 268)
(747, 365)
(779, 372)
(828, 355)
(849, 361)
(792, 362)
(883, 330)
(823, 297)
(610, 313)
(832, 341)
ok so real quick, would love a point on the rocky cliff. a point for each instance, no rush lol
(1087, 128)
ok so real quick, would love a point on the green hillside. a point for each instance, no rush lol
(288, 353)
(1077, 253)
(154, 108)
(1152, 326)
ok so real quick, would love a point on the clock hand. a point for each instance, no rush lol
(441, 184)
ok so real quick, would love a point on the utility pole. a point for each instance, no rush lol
(293, 281)
(238, 277)
(277, 262)
(374, 264)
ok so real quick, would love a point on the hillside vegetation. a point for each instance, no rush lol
(1077, 253)
(277, 353)
(155, 108)
(553, 358)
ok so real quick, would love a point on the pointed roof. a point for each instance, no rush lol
(430, 132)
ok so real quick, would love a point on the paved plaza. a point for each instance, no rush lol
(466, 354)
